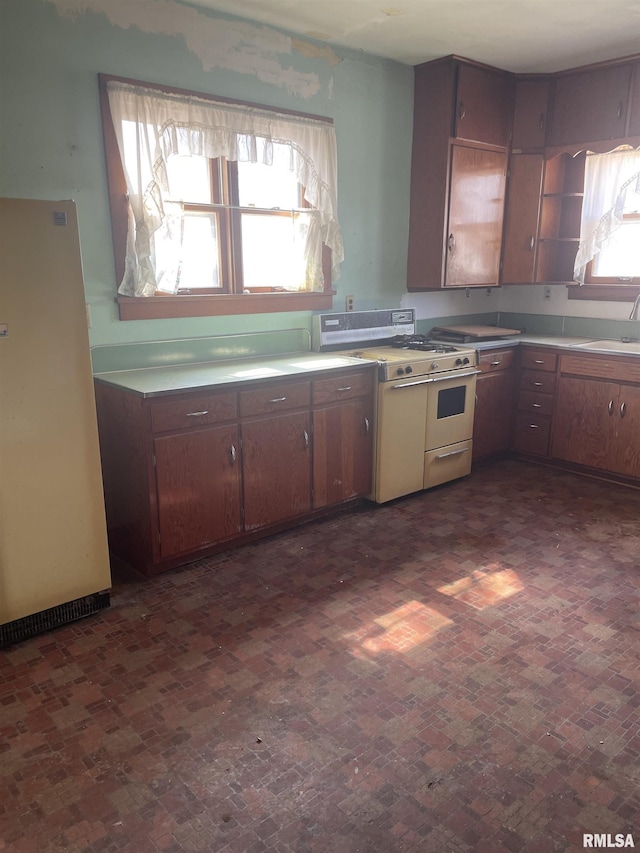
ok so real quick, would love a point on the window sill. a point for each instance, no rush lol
(604, 292)
(168, 307)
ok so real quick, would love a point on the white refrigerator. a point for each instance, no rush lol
(54, 562)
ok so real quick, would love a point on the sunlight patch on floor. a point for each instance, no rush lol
(400, 630)
(484, 587)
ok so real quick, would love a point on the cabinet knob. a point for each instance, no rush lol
(610, 407)
(532, 243)
(620, 109)
(541, 123)
(461, 110)
(367, 425)
(233, 453)
(623, 409)
(305, 435)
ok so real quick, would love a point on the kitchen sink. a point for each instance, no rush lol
(612, 346)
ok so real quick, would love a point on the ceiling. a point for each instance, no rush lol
(518, 35)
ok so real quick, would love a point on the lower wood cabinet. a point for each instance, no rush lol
(494, 403)
(536, 399)
(597, 422)
(198, 488)
(188, 473)
(276, 465)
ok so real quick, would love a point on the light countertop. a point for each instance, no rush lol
(155, 381)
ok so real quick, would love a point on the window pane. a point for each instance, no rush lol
(189, 179)
(200, 266)
(621, 257)
(267, 186)
(273, 251)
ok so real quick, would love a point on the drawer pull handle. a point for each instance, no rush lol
(610, 407)
(537, 384)
(536, 405)
(538, 361)
(367, 425)
(306, 437)
(623, 409)
(233, 453)
(197, 414)
(534, 426)
(344, 388)
(495, 363)
(452, 453)
(278, 400)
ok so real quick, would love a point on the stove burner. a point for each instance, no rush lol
(419, 342)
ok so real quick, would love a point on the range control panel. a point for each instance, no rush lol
(358, 327)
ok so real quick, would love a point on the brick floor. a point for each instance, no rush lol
(456, 671)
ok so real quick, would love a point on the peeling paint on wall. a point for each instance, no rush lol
(234, 45)
(315, 51)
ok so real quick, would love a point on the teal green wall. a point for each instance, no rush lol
(51, 145)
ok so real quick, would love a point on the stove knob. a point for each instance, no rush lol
(434, 365)
(465, 360)
(400, 371)
(459, 362)
(408, 369)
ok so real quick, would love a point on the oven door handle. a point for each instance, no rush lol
(440, 378)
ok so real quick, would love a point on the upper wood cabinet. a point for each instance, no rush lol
(484, 105)
(590, 105)
(462, 120)
(530, 114)
(520, 241)
(634, 103)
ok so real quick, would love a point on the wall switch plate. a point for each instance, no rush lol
(350, 302)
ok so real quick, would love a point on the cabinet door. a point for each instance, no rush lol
(198, 488)
(276, 466)
(484, 105)
(492, 420)
(476, 210)
(584, 425)
(342, 452)
(590, 105)
(626, 447)
(530, 113)
(521, 223)
(634, 105)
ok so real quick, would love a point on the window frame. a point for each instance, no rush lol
(201, 304)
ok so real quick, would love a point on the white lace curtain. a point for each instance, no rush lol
(611, 188)
(151, 126)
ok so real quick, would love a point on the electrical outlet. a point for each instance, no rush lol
(350, 300)
(546, 292)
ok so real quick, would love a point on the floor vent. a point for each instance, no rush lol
(54, 617)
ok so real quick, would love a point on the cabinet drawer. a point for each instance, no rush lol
(535, 380)
(532, 401)
(500, 359)
(193, 411)
(532, 434)
(342, 387)
(539, 359)
(275, 398)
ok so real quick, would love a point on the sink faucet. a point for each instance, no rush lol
(636, 307)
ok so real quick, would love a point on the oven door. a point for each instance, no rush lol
(450, 408)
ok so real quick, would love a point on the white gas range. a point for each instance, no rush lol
(425, 397)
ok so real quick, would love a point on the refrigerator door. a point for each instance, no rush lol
(53, 541)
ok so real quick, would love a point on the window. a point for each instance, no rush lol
(608, 253)
(217, 207)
